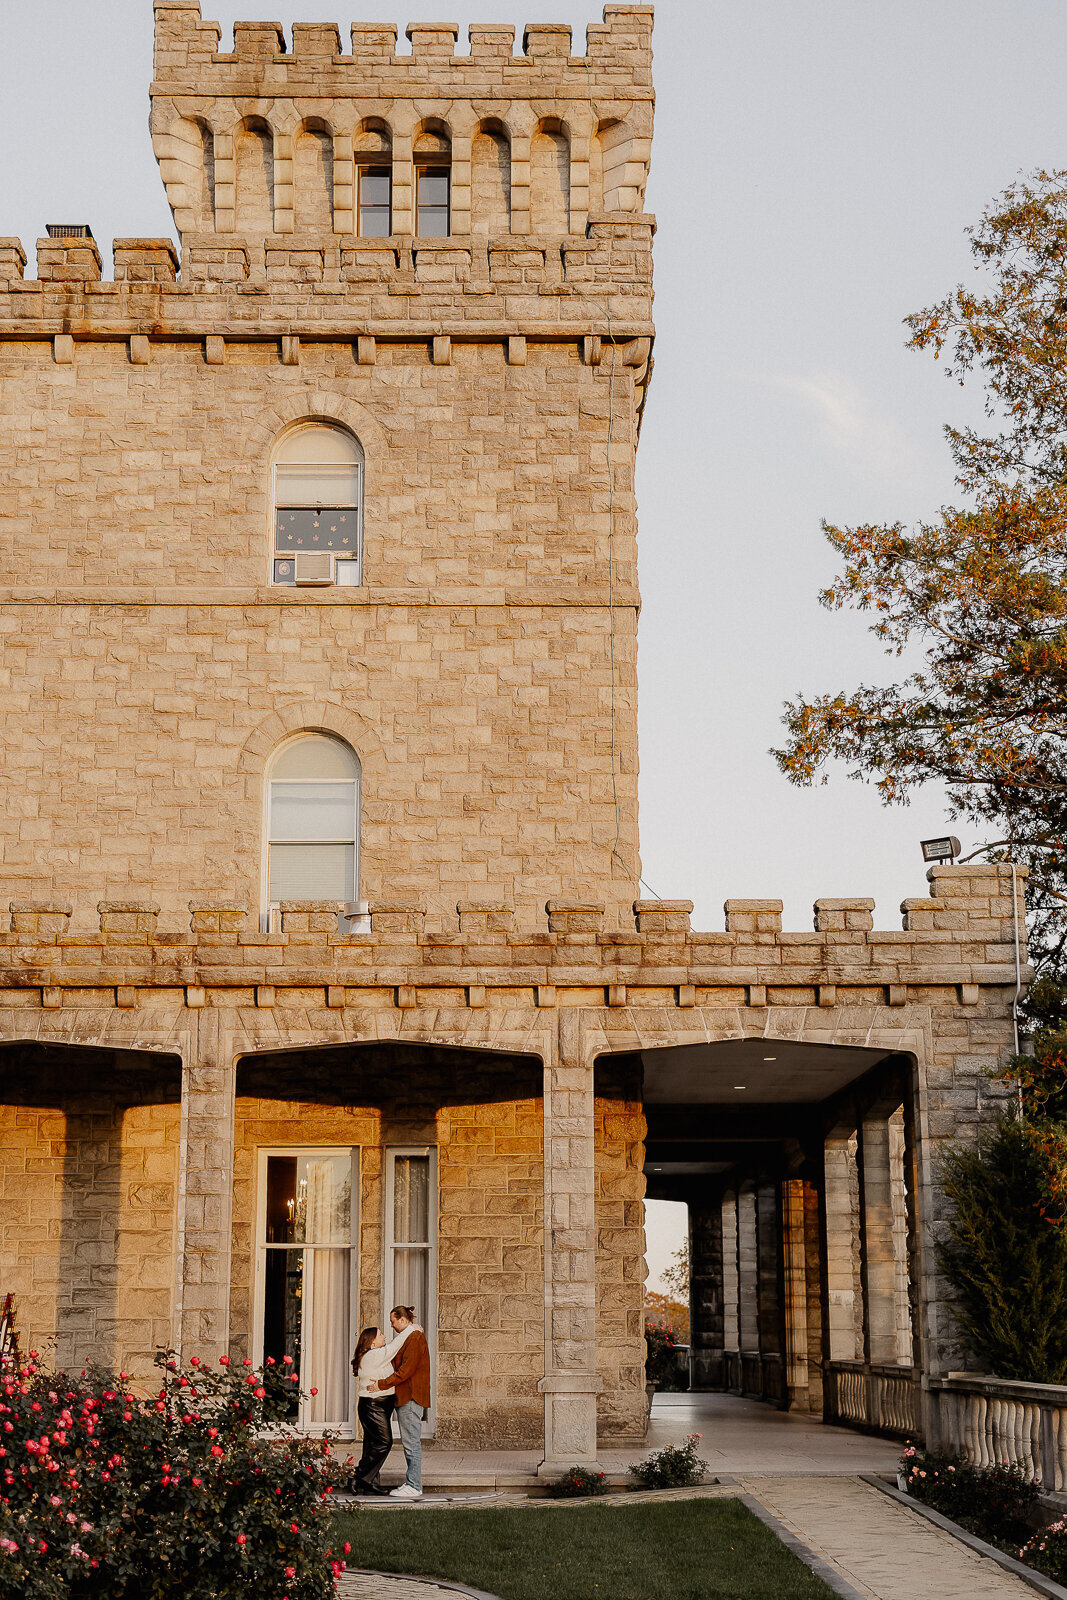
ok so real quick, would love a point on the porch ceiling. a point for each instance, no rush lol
(737, 1072)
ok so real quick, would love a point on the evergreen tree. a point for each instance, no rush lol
(1006, 1253)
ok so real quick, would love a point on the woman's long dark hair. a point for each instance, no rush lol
(363, 1344)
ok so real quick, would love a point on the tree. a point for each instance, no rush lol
(983, 589)
(1006, 1264)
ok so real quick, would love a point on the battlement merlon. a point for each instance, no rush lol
(618, 54)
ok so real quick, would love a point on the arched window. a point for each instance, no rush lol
(433, 185)
(317, 508)
(374, 181)
(313, 821)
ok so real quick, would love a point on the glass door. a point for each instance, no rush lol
(306, 1276)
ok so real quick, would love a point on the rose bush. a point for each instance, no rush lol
(104, 1491)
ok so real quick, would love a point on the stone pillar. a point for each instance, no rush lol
(770, 1305)
(706, 1319)
(747, 1270)
(731, 1332)
(843, 1270)
(795, 1283)
(884, 1238)
(205, 1196)
(570, 1384)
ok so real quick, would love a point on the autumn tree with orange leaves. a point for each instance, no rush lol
(983, 589)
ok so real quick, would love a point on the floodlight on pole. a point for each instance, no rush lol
(947, 848)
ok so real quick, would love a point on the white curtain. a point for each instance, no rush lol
(327, 1300)
(328, 1341)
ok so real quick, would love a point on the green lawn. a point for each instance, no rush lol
(680, 1550)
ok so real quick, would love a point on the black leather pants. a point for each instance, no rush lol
(374, 1419)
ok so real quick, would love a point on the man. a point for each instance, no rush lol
(411, 1380)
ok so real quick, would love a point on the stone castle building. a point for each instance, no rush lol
(327, 983)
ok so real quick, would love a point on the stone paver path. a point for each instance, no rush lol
(370, 1586)
(885, 1550)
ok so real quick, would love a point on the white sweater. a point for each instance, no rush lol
(378, 1363)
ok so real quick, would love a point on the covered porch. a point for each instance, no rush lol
(796, 1161)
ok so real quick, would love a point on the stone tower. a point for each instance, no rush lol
(479, 656)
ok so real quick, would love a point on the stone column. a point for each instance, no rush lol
(880, 1238)
(747, 1270)
(706, 1299)
(205, 1196)
(767, 1234)
(570, 1384)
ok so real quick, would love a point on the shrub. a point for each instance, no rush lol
(1047, 1551)
(104, 1492)
(996, 1503)
(675, 1467)
(576, 1483)
(1005, 1257)
(660, 1345)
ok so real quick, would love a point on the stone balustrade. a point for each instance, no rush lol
(995, 1422)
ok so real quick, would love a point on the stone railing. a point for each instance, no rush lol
(884, 1400)
(991, 1421)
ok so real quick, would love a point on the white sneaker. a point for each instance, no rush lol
(405, 1492)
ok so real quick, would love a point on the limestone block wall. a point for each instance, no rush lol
(471, 673)
(620, 1251)
(88, 1201)
(490, 1333)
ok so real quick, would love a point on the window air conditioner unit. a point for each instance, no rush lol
(314, 566)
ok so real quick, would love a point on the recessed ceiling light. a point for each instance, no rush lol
(770, 1058)
(740, 1085)
(657, 1169)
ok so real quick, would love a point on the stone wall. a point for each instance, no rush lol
(468, 673)
(620, 1251)
(88, 1203)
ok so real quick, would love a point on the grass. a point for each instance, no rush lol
(681, 1550)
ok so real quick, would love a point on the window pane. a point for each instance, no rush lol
(324, 528)
(315, 756)
(375, 222)
(346, 574)
(411, 1200)
(433, 188)
(281, 1199)
(282, 1308)
(312, 811)
(311, 872)
(285, 571)
(411, 1280)
(314, 484)
(374, 188)
(324, 1199)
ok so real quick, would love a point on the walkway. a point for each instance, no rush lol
(885, 1550)
(737, 1436)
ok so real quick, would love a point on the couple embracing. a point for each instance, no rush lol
(392, 1376)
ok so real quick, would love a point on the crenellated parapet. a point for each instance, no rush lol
(266, 140)
(571, 959)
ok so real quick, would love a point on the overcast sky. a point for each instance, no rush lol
(814, 167)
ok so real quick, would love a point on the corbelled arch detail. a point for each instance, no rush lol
(312, 716)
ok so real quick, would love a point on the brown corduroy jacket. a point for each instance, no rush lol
(411, 1371)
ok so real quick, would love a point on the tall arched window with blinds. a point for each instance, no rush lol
(313, 821)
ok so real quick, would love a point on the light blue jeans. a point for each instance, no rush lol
(409, 1420)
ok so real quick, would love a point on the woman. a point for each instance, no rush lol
(372, 1361)
(410, 1378)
